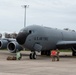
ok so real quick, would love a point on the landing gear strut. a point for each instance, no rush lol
(73, 53)
(47, 52)
(33, 55)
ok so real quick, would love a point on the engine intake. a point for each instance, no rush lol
(13, 47)
(3, 44)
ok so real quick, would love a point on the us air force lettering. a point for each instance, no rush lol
(41, 38)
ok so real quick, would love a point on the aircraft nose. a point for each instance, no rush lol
(21, 38)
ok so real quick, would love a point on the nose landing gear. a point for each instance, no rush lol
(33, 55)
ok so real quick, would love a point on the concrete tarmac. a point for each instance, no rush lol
(41, 66)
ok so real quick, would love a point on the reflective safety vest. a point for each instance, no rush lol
(53, 52)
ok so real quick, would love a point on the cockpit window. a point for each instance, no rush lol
(23, 30)
(27, 31)
(30, 31)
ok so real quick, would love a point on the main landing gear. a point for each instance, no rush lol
(73, 53)
(33, 55)
(47, 52)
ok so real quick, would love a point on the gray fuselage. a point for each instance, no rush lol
(44, 36)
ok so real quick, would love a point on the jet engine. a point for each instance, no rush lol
(3, 44)
(13, 47)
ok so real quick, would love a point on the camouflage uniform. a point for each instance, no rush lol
(57, 54)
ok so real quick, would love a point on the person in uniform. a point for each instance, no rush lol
(18, 55)
(53, 54)
(57, 54)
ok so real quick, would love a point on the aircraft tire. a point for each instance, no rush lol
(34, 56)
(43, 52)
(31, 56)
(73, 53)
(48, 53)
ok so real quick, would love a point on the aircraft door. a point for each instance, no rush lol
(37, 47)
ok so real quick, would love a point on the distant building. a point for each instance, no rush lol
(0, 35)
(10, 35)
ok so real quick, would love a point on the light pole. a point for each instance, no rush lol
(25, 6)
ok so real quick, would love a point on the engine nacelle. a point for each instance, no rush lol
(13, 47)
(74, 48)
(3, 44)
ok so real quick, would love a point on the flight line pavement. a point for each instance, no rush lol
(41, 66)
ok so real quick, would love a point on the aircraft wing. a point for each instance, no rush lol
(66, 44)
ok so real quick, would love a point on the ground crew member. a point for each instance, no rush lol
(53, 54)
(57, 54)
(18, 55)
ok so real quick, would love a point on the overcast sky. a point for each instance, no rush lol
(51, 13)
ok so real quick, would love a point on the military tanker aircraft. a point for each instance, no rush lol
(43, 39)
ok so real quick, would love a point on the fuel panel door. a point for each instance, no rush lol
(37, 47)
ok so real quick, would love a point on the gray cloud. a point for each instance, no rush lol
(51, 13)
